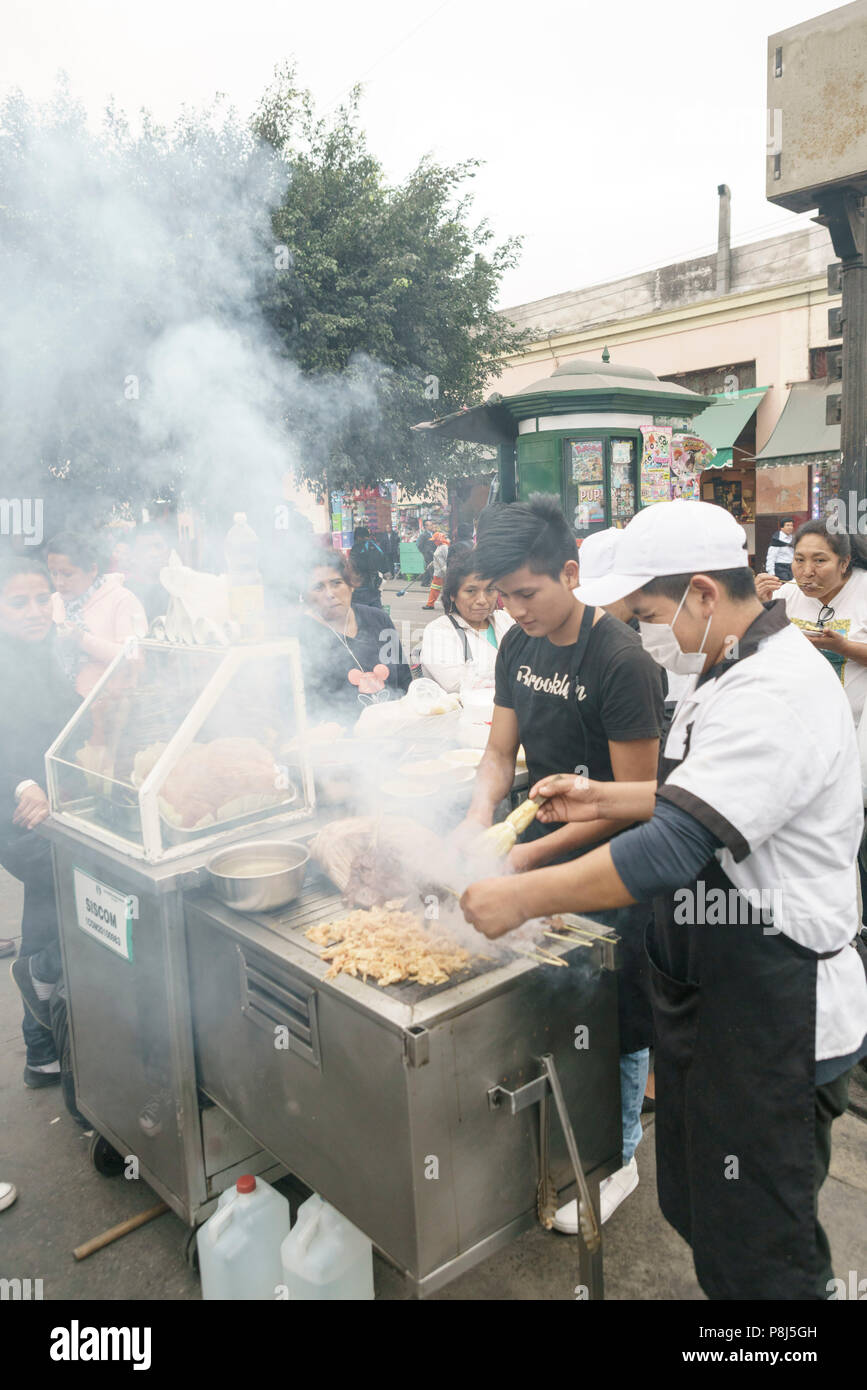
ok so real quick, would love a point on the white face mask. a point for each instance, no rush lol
(660, 642)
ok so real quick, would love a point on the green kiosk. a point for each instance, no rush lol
(601, 436)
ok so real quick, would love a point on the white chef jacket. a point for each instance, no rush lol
(772, 768)
(442, 650)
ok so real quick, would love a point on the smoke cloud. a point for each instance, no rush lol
(133, 353)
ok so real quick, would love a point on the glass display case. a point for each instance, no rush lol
(179, 746)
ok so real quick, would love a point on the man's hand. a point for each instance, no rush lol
(767, 584)
(491, 906)
(32, 808)
(567, 798)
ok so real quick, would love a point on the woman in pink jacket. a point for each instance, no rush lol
(94, 613)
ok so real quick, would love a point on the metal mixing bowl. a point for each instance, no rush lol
(258, 876)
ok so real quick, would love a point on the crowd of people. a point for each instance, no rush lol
(688, 727)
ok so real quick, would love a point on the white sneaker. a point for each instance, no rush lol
(8, 1194)
(612, 1191)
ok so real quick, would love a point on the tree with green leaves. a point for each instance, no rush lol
(394, 279)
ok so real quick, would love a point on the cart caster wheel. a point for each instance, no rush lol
(105, 1159)
(191, 1250)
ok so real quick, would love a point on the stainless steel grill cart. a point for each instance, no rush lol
(208, 1042)
(413, 1110)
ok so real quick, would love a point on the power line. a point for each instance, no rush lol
(388, 53)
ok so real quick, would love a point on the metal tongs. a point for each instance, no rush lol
(587, 1219)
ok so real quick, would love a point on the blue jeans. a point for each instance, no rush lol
(28, 858)
(634, 1067)
(38, 1042)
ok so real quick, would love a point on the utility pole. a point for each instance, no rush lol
(816, 149)
(845, 216)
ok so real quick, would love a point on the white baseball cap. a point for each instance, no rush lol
(666, 538)
(596, 554)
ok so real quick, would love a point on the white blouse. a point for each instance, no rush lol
(850, 620)
(442, 650)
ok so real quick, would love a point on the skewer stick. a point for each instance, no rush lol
(570, 940)
(81, 1252)
(540, 958)
(549, 955)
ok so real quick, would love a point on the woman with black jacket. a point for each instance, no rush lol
(351, 654)
(37, 702)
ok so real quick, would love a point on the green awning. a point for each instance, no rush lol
(801, 435)
(722, 422)
(723, 458)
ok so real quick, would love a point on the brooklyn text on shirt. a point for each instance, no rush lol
(550, 685)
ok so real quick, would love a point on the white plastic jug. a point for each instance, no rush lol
(239, 1245)
(325, 1256)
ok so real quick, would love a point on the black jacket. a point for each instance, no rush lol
(36, 702)
(368, 562)
(326, 662)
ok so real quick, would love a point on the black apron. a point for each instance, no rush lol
(633, 1003)
(734, 1011)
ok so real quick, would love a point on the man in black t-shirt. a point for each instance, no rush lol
(575, 686)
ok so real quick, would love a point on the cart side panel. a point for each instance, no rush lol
(125, 1051)
(495, 1154)
(335, 1113)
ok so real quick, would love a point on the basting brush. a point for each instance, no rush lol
(501, 839)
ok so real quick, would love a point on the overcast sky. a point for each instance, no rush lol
(604, 128)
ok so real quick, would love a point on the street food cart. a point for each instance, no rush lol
(209, 1041)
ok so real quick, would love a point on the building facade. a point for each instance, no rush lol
(747, 326)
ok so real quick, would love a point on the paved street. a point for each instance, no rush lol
(63, 1201)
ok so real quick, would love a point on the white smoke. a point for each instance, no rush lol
(131, 337)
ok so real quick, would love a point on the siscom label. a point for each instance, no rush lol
(104, 913)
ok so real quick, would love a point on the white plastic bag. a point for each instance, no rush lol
(426, 711)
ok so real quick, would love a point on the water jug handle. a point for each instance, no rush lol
(219, 1220)
(306, 1235)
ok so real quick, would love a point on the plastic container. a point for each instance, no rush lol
(326, 1257)
(239, 1245)
(246, 591)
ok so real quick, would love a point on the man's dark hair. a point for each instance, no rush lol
(787, 521)
(738, 583)
(534, 534)
(362, 533)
